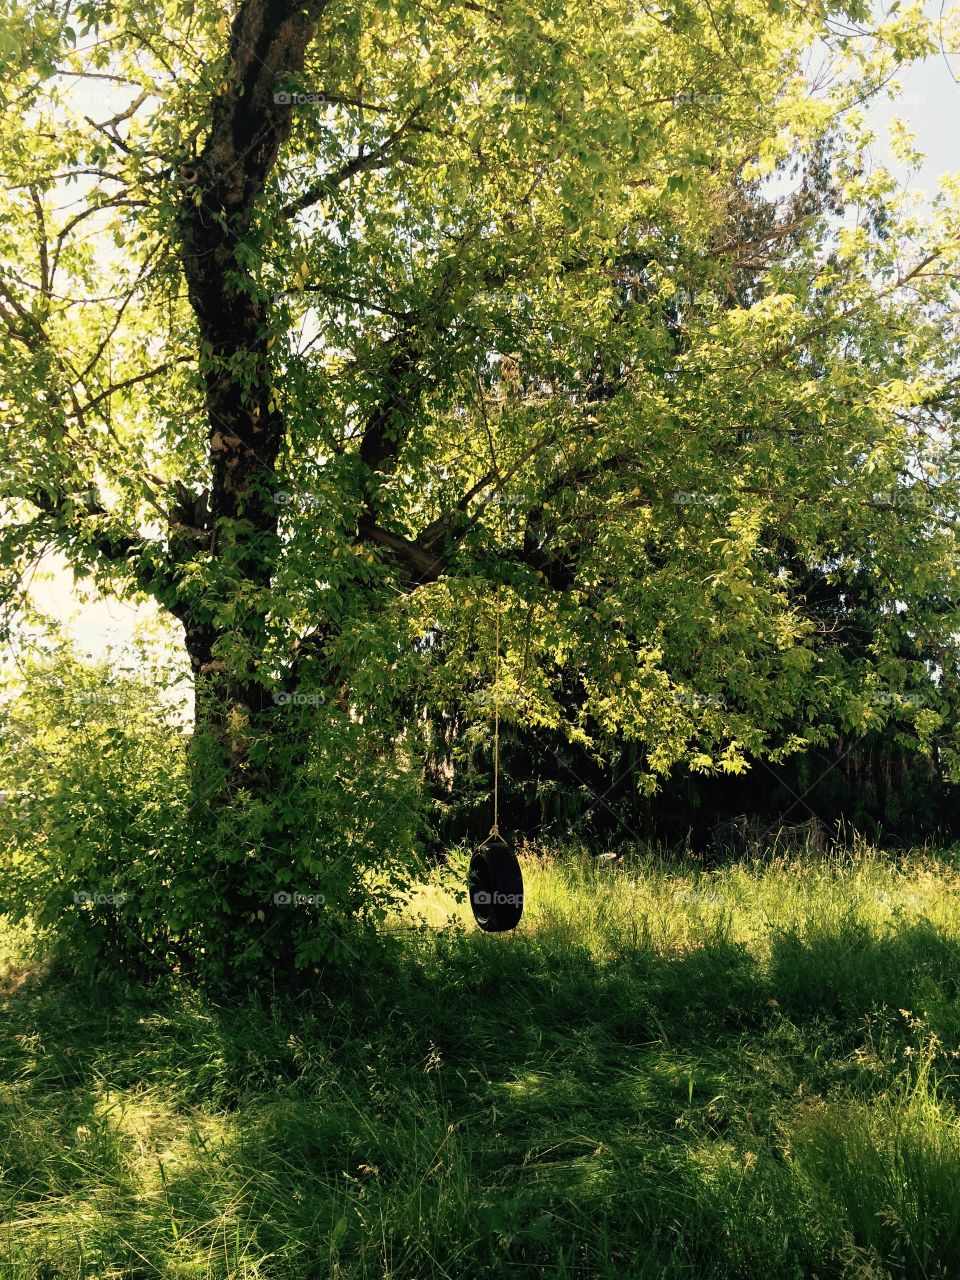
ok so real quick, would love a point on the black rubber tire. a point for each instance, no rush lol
(496, 888)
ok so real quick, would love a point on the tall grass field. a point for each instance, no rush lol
(667, 1071)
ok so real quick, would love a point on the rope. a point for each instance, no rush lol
(495, 829)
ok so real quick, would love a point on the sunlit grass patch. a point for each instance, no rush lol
(886, 1173)
(668, 1070)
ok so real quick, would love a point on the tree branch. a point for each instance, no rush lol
(364, 162)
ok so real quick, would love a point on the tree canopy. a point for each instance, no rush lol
(326, 323)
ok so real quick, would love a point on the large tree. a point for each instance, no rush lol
(324, 323)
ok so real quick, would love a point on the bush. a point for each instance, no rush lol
(113, 854)
(94, 777)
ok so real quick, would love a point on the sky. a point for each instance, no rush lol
(95, 626)
(929, 104)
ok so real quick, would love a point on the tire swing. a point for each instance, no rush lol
(496, 881)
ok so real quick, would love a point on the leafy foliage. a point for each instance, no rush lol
(123, 871)
(322, 322)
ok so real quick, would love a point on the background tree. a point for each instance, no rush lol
(320, 321)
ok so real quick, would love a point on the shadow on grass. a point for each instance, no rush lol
(849, 970)
(490, 1106)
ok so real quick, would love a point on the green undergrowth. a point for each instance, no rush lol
(664, 1072)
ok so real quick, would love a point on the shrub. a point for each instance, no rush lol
(114, 856)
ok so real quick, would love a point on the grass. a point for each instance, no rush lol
(666, 1072)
